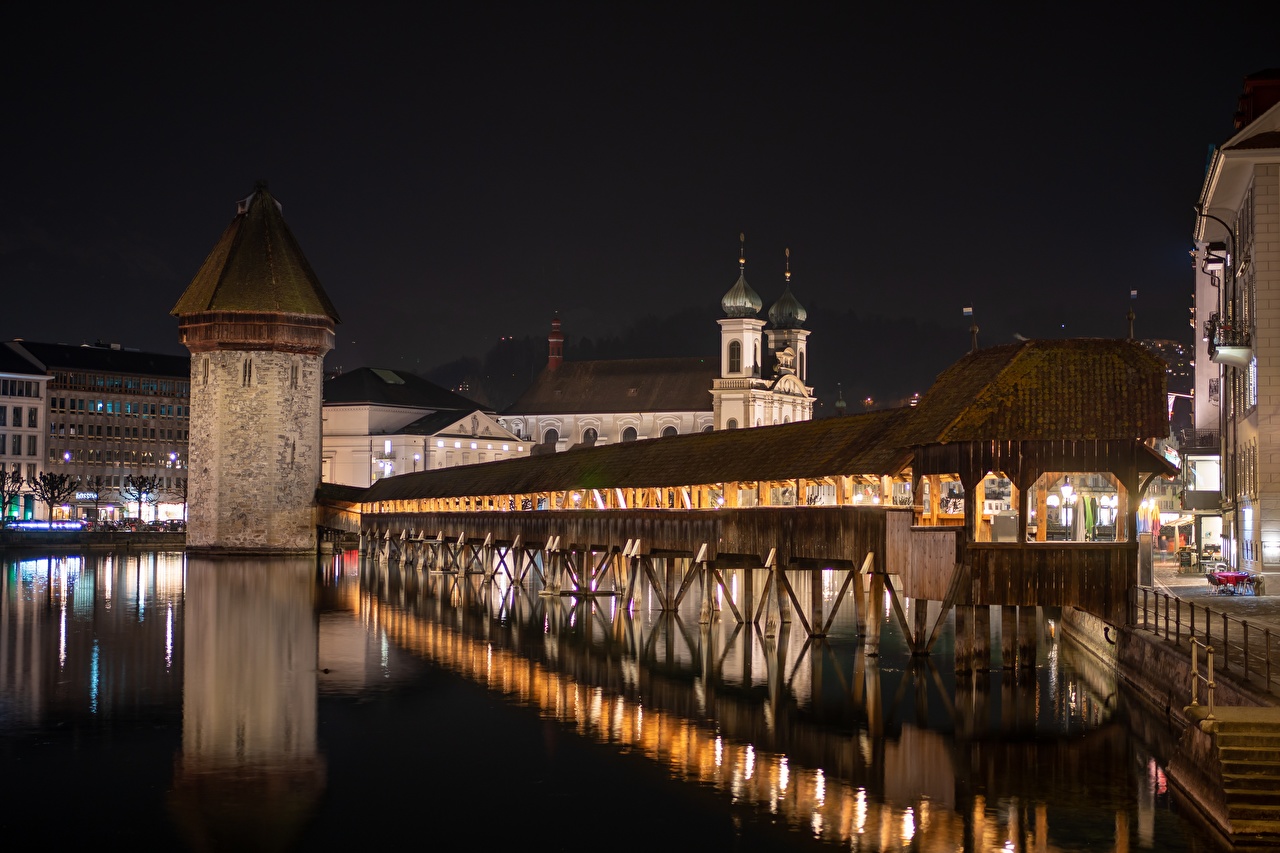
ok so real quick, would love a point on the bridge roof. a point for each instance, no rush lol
(855, 444)
(1045, 390)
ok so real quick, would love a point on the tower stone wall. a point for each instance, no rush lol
(255, 450)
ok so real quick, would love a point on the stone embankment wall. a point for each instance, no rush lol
(56, 541)
(1157, 669)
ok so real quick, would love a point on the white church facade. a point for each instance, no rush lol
(758, 380)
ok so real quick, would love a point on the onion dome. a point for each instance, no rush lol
(741, 300)
(787, 312)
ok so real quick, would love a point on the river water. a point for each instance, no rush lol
(161, 701)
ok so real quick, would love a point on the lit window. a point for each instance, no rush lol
(473, 445)
(457, 444)
(386, 446)
(440, 442)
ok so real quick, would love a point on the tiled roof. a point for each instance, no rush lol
(380, 387)
(12, 361)
(256, 266)
(435, 422)
(1075, 389)
(856, 444)
(623, 385)
(106, 359)
(1267, 139)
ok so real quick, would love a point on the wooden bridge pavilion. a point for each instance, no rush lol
(796, 499)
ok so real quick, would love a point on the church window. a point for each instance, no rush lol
(246, 373)
(802, 365)
(293, 376)
(589, 436)
(667, 432)
(629, 434)
(707, 428)
(735, 356)
(550, 437)
(731, 424)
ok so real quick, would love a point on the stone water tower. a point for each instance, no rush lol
(258, 325)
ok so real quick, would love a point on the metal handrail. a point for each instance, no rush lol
(1254, 660)
(1196, 677)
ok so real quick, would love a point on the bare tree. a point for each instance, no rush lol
(97, 488)
(11, 483)
(50, 489)
(180, 491)
(138, 488)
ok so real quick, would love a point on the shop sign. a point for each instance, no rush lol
(86, 496)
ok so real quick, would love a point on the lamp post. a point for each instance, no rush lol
(417, 457)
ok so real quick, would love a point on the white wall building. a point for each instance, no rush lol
(23, 395)
(1238, 307)
(381, 423)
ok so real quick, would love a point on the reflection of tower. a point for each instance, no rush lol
(258, 325)
(249, 767)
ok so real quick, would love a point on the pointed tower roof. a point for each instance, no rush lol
(256, 266)
(741, 300)
(787, 312)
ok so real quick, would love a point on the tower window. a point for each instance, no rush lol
(206, 372)
(246, 377)
(735, 356)
(293, 376)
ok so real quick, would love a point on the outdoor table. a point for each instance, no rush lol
(1231, 580)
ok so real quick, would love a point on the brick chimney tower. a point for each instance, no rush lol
(555, 342)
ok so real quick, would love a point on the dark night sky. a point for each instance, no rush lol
(457, 172)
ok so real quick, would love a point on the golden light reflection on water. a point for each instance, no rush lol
(829, 807)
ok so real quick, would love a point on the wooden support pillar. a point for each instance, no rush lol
(964, 641)
(1042, 507)
(935, 498)
(748, 591)
(875, 615)
(816, 617)
(981, 638)
(1008, 637)
(920, 630)
(1027, 637)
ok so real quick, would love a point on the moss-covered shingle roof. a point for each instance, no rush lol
(256, 266)
(850, 445)
(1045, 390)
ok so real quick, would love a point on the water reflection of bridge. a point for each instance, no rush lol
(844, 752)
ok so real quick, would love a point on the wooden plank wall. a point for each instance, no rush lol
(1095, 577)
(934, 553)
(823, 535)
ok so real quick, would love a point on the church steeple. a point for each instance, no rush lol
(741, 300)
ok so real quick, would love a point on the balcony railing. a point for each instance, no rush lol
(1190, 440)
(1227, 344)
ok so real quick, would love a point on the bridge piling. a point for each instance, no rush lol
(1008, 637)
(1027, 637)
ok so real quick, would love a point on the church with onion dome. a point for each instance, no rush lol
(757, 380)
(762, 370)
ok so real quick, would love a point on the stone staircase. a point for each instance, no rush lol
(1228, 769)
(1249, 753)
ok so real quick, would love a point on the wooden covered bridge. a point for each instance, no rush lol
(751, 519)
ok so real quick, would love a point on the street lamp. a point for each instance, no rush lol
(417, 457)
